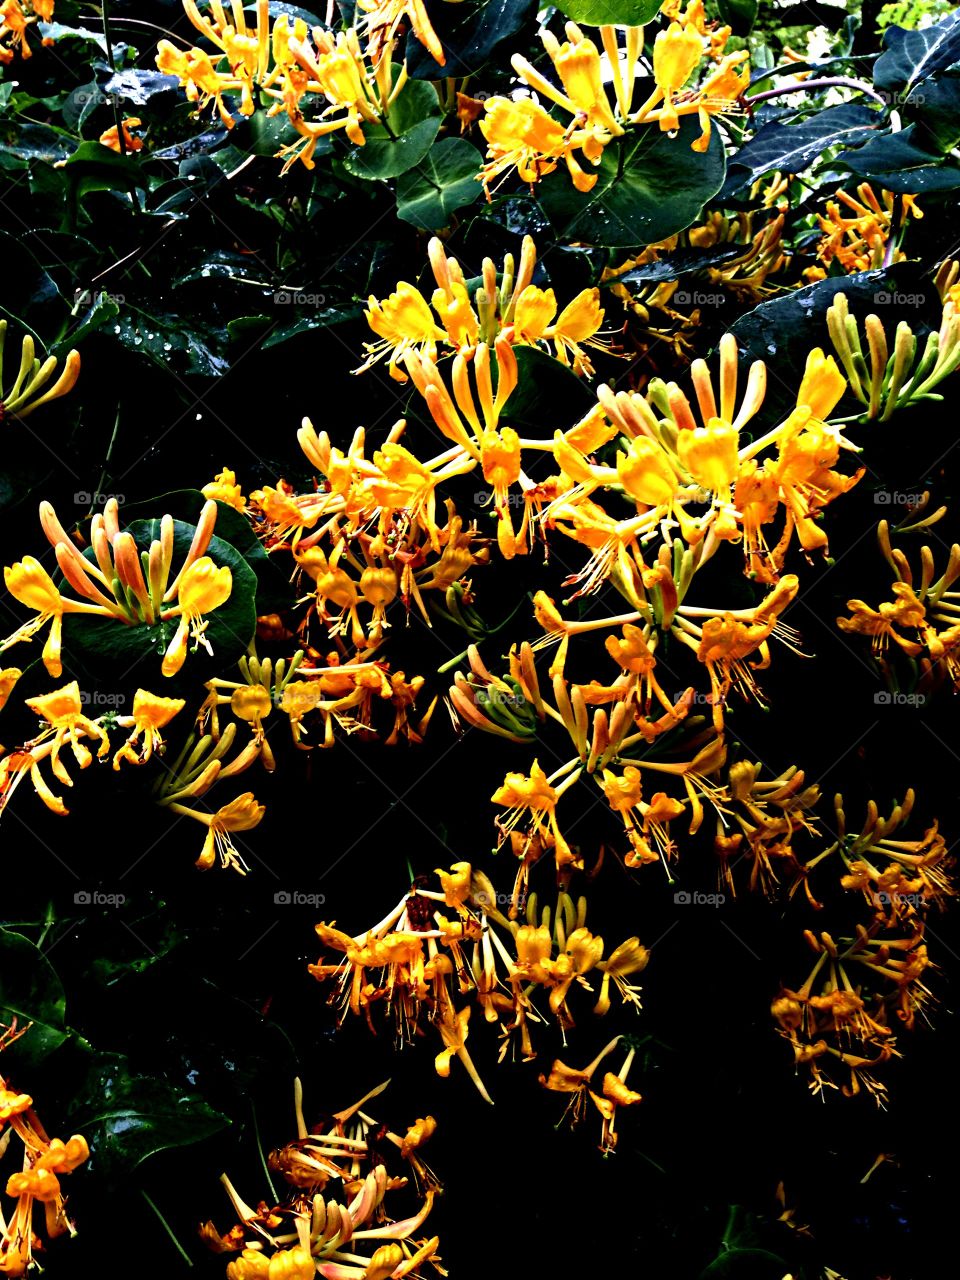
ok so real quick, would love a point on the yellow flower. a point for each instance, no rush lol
(710, 455)
(150, 714)
(676, 53)
(203, 588)
(521, 134)
(403, 321)
(8, 679)
(535, 309)
(500, 459)
(63, 711)
(111, 137)
(241, 814)
(224, 488)
(822, 386)
(646, 474)
(25, 393)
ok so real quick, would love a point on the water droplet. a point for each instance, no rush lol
(168, 346)
(673, 133)
(137, 340)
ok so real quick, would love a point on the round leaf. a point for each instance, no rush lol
(650, 186)
(413, 120)
(445, 180)
(624, 13)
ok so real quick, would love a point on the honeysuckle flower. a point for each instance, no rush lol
(131, 142)
(224, 488)
(401, 321)
(241, 814)
(8, 680)
(63, 711)
(15, 17)
(150, 715)
(202, 588)
(677, 52)
(521, 135)
(533, 794)
(383, 18)
(26, 393)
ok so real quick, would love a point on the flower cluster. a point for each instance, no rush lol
(870, 981)
(521, 134)
(43, 1162)
(16, 18)
(333, 1221)
(291, 66)
(860, 240)
(439, 946)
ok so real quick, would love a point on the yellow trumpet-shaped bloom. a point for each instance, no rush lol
(203, 588)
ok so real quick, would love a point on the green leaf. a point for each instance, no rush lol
(899, 165)
(25, 142)
(103, 646)
(128, 1118)
(909, 57)
(624, 13)
(739, 14)
(30, 298)
(162, 340)
(445, 180)
(324, 318)
(31, 991)
(746, 1264)
(414, 122)
(650, 186)
(547, 392)
(469, 32)
(671, 266)
(94, 167)
(794, 146)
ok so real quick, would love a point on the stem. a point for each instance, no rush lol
(166, 1226)
(826, 82)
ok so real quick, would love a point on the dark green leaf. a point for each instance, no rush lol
(746, 1264)
(546, 389)
(445, 180)
(30, 298)
(897, 164)
(30, 991)
(94, 167)
(671, 266)
(139, 84)
(323, 318)
(163, 340)
(128, 1118)
(469, 31)
(413, 120)
(793, 147)
(909, 57)
(739, 14)
(649, 187)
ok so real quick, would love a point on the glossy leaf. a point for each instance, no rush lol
(445, 180)
(413, 120)
(469, 32)
(30, 992)
(649, 187)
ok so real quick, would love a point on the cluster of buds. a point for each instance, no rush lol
(521, 134)
(510, 308)
(440, 944)
(16, 17)
(348, 1235)
(893, 379)
(866, 984)
(37, 1182)
(30, 389)
(915, 637)
(860, 239)
(289, 64)
(119, 581)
